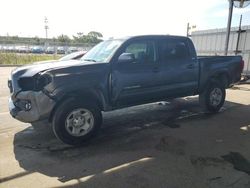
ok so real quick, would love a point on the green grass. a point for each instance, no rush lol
(22, 59)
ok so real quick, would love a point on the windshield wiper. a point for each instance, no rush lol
(89, 60)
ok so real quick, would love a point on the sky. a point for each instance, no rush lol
(114, 18)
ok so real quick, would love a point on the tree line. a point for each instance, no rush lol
(93, 37)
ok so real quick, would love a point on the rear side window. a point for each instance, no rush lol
(174, 50)
(144, 51)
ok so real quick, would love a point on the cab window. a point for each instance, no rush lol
(144, 52)
(174, 50)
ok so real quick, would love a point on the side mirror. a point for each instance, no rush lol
(126, 58)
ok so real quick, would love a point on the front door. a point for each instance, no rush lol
(134, 82)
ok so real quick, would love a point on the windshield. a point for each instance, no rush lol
(103, 51)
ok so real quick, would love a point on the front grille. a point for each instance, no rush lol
(10, 86)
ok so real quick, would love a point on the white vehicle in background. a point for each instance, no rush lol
(23, 49)
(72, 49)
(60, 50)
(50, 50)
(72, 56)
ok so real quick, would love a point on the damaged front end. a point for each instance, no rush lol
(30, 101)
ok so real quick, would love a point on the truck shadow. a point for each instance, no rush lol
(127, 135)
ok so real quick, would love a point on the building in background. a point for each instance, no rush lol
(212, 42)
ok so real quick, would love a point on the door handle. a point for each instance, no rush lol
(190, 66)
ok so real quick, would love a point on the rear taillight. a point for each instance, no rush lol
(242, 64)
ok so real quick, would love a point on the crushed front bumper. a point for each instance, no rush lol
(31, 106)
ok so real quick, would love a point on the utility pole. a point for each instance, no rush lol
(189, 27)
(237, 4)
(229, 25)
(238, 38)
(46, 27)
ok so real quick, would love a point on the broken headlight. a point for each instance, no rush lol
(35, 83)
(26, 83)
(42, 80)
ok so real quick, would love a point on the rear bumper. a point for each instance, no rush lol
(30, 106)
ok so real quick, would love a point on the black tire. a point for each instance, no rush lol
(206, 97)
(60, 117)
(43, 125)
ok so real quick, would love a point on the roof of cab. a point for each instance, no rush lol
(152, 36)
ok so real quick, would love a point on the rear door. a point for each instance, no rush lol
(135, 82)
(179, 68)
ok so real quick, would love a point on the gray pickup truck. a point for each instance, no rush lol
(114, 74)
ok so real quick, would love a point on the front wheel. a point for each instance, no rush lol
(75, 122)
(213, 97)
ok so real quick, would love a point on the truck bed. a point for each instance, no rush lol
(230, 66)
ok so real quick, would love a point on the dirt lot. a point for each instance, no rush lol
(170, 145)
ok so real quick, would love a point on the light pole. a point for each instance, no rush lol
(238, 4)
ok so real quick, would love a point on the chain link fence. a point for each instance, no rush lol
(48, 47)
(18, 52)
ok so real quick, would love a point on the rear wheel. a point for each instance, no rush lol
(213, 97)
(75, 122)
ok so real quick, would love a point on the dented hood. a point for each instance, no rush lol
(32, 69)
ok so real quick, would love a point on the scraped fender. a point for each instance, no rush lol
(93, 95)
